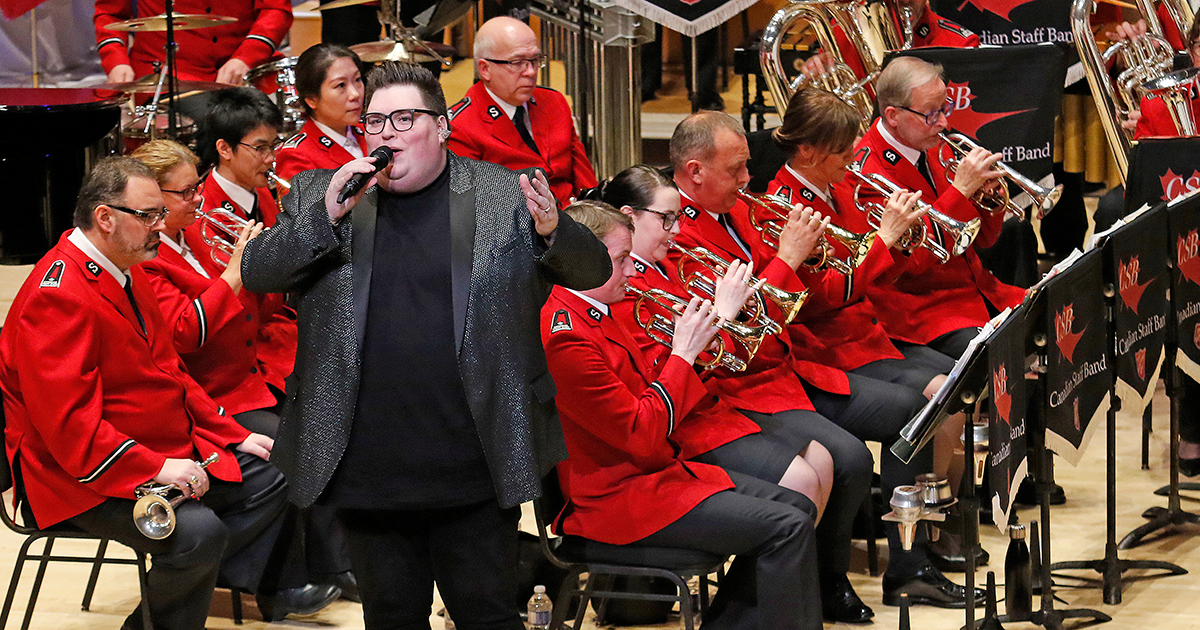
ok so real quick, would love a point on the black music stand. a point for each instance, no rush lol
(1149, 229)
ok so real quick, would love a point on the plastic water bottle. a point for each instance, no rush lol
(539, 609)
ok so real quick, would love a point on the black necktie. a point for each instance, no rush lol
(519, 119)
(923, 168)
(255, 211)
(133, 303)
(723, 219)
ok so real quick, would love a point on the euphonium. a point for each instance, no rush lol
(823, 255)
(154, 511)
(220, 229)
(960, 233)
(660, 326)
(1175, 89)
(705, 287)
(997, 199)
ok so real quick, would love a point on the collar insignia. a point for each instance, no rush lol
(639, 266)
(94, 268)
(494, 112)
(891, 157)
(595, 313)
(807, 194)
(326, 141)
(691, 211)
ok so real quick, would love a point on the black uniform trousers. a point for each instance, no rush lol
(469, 551)
(228, 536)
(773, 580)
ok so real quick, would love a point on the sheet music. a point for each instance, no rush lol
(1126, 220)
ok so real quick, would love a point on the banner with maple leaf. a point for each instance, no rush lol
(690, 17)
(1135, 263)
(1077, 370)
(1185, 289)
(1005, 99)
(1162, 169)
(1011, 22)
(1007, 462)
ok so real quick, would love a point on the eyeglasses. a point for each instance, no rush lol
(669, 219)
(187, 194)
(402, 120)
(263, 150)
(932, 117)
(521, 64)
(148, 217)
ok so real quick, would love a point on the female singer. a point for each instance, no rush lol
(330, 84)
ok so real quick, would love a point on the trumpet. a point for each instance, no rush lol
(704, 287)
(997, 199)
(282, 184)
(154, 511)
(823, 255)
(660, 326)
(961, 234)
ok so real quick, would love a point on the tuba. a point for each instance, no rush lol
(962, 234)
(655, 309)
(997, 200)
(154, 511)
(705, 287)
(823, 255)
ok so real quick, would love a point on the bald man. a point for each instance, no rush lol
(507, 119)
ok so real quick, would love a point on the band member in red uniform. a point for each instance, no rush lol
(219, 53)
(507, 119)
(934, 304)
(97, 403)
(624, 480)
(709, 152)
(330, 84)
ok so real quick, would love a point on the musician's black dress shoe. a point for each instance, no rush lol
(302, 600)
(839, 602)
(349, 585)
(926, 586)
(1189, 466)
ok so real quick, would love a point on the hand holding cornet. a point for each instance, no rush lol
(975, 170)
(901, 212)
(734, 288)
(800, 236)
(180, 473)
(233, 271)
(694, 329)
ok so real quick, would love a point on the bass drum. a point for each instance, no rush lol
(52, 137)
(277, 79)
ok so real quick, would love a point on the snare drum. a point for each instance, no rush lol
(277, 79)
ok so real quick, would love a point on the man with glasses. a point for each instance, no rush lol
(507, 119)
(96, 402)
(423, 409)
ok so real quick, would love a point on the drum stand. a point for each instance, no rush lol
(172, 78)
(33, 46)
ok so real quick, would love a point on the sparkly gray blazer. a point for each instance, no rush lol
(501, 273)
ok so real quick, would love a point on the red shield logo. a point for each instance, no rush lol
(1063, 337)
(1139, 358)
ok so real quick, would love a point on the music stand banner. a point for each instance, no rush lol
(1005, 99)
(1007, 463)
(1185, 246)
(1136, 264)
(688, 17)
(1077, 378)
(1162, 169)
(1010, 22)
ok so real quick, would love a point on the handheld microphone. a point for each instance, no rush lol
(382, 157)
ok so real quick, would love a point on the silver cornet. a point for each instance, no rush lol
(777, 209)
(220, 230)
(957, 232)
(705, 287)
(655, 310)
(997, 199)
(154, 512)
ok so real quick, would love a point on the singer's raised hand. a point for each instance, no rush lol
(359, 165)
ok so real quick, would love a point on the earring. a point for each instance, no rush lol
(444, 134)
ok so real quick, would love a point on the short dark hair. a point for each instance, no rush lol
(105, 186)
(819, 119)
(392, 73)
(634, 187)
(313, 65)
(232, 114)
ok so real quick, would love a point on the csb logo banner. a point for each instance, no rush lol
(1184, 219)
(1162, 169)
(1007, 463)
(1005, 99)
(1012, 22)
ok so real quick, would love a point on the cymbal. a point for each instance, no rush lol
(372, 52)
(337, 4)
(149, 83)
(183, 22)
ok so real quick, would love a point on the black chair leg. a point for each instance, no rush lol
(585, 597)
(95, 576)
(22, 556)
(144, 584)
(565, 594)
(703, 594)
(235, 597)
(685, 603)
(37, 581)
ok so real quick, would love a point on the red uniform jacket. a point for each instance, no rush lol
(624, 478)
(277, 332)
(1156, 120)
(929, 31)
(712, 422)
(843, 320)
(928, 299)
(770, 384)
(260, 28)
(215, 331)
(481, 131)
(94, 406)
(310, 149)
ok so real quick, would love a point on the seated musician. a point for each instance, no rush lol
(624, 480)
(97, 403)
(330, 85)
(222, 53)
(709, 153)
(507, 119)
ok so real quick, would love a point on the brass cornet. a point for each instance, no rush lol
(822, 256)
(960, 233)
(997, 200)
(705, 287)
(660, 326)
(154, 512)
